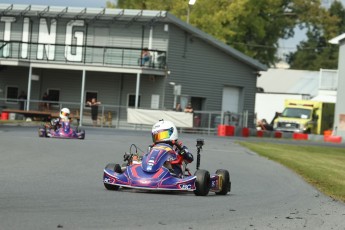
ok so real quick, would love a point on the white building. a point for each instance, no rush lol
(276, 85)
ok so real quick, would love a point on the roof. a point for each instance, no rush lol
(325, 98)
(218, 44)
(149, 16)
(289, 81)
(337, 39)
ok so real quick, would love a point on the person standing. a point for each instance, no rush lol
(22, 99)
(94, 110)
(45, 103)
(145, 56)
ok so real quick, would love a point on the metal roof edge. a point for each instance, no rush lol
(210, 39)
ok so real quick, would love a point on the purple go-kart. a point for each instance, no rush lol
(65, 131)
(149, 172)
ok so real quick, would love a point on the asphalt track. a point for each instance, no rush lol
(57, 184)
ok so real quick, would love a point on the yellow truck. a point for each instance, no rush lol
(304, 116)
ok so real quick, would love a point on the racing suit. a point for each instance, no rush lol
(177, 149)
(55, 123)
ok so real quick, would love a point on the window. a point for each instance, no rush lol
(90, 94)
(11, 94)
(54, 95)
(131, 100)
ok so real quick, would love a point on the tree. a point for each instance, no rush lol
(316, 52)
(252, 27)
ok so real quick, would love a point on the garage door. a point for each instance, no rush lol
(231, 97)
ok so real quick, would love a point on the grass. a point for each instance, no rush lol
(323, 167)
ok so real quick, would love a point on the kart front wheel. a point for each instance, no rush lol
(111, 167)
(42, 131)
(202, 182)
(80, 133)
(225, 181)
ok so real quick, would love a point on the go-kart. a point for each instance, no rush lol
(149, 172)
(64, 131)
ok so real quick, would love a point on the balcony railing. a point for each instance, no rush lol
(87, 55)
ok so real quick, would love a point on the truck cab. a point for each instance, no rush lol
(303, 116)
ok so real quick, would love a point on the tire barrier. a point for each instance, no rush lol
(300, 136)
(278, 134)
(334, 139)
(229, 130)
(245, 132)
(226, 130)
(4, 116)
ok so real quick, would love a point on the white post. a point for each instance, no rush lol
(82, 98)
(29, 89)
(137, 91)
(150, 38)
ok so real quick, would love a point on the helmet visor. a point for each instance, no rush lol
(64, 114)
(160, 135)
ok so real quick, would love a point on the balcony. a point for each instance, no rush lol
(82, 55)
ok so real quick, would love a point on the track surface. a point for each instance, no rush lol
(57, 184)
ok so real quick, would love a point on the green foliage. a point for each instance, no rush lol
(323, 167)
(255, 27)
(316, 52)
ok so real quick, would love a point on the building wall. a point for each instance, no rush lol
(117, 34)
(13, 76)
(204, 70)
(339, 119)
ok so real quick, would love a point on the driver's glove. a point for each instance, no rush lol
(186, 154)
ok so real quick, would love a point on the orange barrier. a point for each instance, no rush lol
(226, 130)
(4, 116)
(300, 136)
(334, 139)
(327, 133)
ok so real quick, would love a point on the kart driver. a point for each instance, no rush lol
(165, 133)
(64, 116)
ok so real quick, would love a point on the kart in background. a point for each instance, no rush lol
(65, 131)
(149, 172)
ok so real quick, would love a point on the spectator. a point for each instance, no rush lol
(189, 108)
(94, 110)
(22, 99)
(178, 108)
(45, 103)
(264, 125)
(145, 56)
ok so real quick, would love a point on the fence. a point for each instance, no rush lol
(90, 55)
(114, 116)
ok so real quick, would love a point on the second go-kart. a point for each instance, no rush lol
(150, 172)
(64, 131)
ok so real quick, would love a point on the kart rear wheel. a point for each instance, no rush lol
(42, 131)
(111, 167)
(202, 182)
(225, 181)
